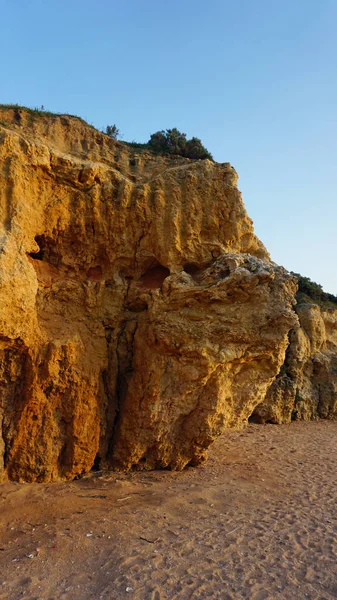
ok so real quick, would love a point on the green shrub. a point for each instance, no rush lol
(195, 149)
(173, 141)
(310, 291)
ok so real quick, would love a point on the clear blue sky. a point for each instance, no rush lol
(256, 81)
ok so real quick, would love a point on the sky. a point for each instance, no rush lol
(256, 81)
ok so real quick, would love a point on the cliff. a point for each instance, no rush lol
(139, 314)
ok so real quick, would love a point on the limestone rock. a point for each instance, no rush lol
(139, 313)
(306, 387)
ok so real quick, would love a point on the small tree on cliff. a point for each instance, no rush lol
(176, 141)
(112, 131)
(157, 142)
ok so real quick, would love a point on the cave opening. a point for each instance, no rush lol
(154, 277)
(254, 418)
(195, 270)
(257, 420)
(191, 269)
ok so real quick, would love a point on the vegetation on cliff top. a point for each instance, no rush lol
(169, 141)
(312, 293)
(173, 141)
(165, 142)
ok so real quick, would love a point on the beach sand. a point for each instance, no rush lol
(257, 521)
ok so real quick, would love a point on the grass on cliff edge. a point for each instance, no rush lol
(40, 112)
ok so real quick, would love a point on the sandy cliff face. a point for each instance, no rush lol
(306, 387)
(139, 314)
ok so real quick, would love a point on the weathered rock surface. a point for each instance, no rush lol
(139, 313)
(306, 387)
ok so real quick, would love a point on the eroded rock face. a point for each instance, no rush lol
(306, 387)
(139, 313)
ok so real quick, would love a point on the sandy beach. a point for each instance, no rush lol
(257, 521)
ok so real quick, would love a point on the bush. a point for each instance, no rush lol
(195, 149)
(309, 290)
(173, 141)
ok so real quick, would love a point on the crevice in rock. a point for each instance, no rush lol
(263, 412)
(97, 464)
(298, 400)
(109, 386)
(137, 306)
(6, 455)
(124, 352)
(16, 374)
(41, 242)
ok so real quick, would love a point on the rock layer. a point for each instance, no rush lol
(139, 313)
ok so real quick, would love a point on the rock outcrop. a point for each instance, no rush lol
(306, 387)
(139, 313)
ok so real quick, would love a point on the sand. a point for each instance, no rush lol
(257, 521)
